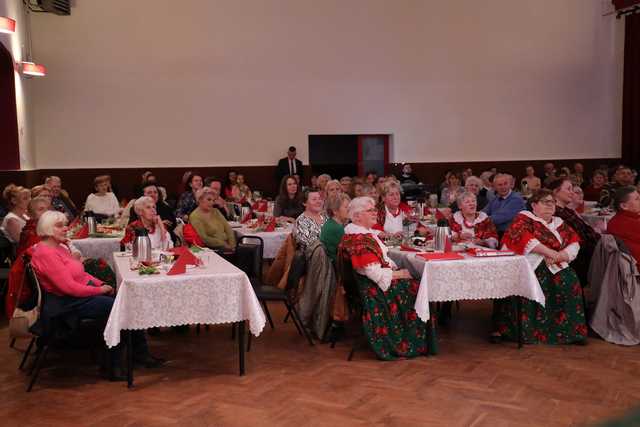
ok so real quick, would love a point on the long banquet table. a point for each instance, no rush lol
(218, 292)
(273, 240)
(471, 278)
(98, 247)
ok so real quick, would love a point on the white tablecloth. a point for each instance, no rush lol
(272, 240)
(217, 293)
(98, 247)
(469, 279)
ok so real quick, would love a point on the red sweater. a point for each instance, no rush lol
(626, 226)
(61, 274)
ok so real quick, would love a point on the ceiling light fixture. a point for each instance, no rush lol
(7, 25)
(31, 69)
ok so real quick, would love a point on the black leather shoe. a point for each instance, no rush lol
(148, 361)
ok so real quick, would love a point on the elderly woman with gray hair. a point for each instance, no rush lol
(469, 224)
(71, 293)
(148, 218)
(388, 295)
(392, 213)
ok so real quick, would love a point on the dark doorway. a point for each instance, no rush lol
(348, 155)
(9, 144)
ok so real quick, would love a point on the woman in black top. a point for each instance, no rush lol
(289, 201)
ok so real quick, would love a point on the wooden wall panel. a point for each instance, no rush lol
(79, 181)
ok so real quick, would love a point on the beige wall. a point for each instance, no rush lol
(17, 45)
(228, 82)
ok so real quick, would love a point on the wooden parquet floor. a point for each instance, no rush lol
(288, 383)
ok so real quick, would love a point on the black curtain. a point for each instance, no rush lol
(631, 93)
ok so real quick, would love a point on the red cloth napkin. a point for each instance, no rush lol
(191, 236)
(75, 222)
(246, 218)
(185, 257)
(259, 223)
(83, 233)
(447, 246)
(260, 206)
(408, 248)
(271, 226)
(441, 256)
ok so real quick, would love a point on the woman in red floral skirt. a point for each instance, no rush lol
(388, 295)
(549, 245)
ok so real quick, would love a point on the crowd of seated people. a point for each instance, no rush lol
(352, 216)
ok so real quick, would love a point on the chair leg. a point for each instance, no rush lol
(26, 353)
(351, 353)
(286, 318)
(12, 343)
(38, 365)
(268, 314)
(296, 318)
(326, 332)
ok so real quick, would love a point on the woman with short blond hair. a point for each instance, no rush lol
(210, 224)
(17, 200)
(103, 201)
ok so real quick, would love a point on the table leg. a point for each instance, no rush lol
(129, 359)
(432, 336)
(241, 346)
(519, 314)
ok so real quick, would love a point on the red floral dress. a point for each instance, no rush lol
(562, 319)
(403, 209)
(390, 322)
(482, 227)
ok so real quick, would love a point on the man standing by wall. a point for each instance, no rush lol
(289, 165)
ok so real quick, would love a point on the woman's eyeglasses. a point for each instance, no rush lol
(547, 202)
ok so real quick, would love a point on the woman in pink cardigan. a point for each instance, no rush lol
(71, 294)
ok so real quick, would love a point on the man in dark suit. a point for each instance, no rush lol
(289, 165)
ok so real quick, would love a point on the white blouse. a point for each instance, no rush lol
(12, 226)
(470, 228)
(381, 276)
(104, 205)
(393, 224)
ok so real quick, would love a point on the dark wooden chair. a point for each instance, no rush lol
(7, 257)
(52, 334)
(346, 279)
(249, 252)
